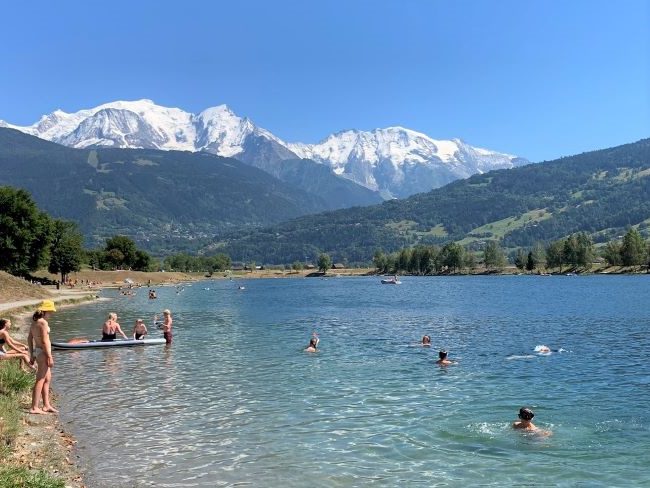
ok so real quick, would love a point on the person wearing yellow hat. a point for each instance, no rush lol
(40, 350)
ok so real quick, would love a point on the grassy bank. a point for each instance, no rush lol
(15, 385)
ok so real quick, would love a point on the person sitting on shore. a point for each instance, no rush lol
(139, 330)
(111, 328)
(443, 361)
(18, 350)
(525, 422)
(426, 341)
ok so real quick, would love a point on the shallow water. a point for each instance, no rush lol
(236, 401)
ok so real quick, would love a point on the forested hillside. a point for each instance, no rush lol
(601, 192)
(167, 197)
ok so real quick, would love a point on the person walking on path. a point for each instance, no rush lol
(40, 350)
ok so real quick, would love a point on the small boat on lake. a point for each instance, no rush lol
(391, 281)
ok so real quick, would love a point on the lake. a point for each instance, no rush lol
(235, 401)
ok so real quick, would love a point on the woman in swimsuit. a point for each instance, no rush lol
(18, 349)
(111, 328)
(139, 330)
(40, 350)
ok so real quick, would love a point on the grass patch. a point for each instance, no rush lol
(499, 228)
(23, 478)
(14, 380)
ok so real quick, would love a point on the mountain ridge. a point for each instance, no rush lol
(395, 161)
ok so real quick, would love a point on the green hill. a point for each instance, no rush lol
(600, 192)
(161, 198)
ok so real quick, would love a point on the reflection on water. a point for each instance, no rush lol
(235, 400)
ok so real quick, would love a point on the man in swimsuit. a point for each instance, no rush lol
(526, 422)
(40, 350)
(443, 361)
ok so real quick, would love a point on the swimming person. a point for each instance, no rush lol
(139, 330)
(443, 361)
(111, 328)
(426, 341)
(40, 350)
(167, 326)
(313, 344)
(525, 422)
(18, 350)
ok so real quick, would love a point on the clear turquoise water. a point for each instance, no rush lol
(236, 402)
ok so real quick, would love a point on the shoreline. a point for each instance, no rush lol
(43, 443)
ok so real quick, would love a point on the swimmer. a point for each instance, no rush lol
(443, 361)
(525, 423)
(426, 341)
(312, 345)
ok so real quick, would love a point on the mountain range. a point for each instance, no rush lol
(162, 196)
(602, 193)
(394, 162)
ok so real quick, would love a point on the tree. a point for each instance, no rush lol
(521, 259)
(142, 261)
(585, 251)
(633, 250)
(539, 255)
(297, 266)
(555, 255)
(126, 248)
(115, 258)
(66, 248)
(493, 256)
(612, 253)
(451, 256)
(24, 232)
(324, 262)
(531, 264)
(379, 260)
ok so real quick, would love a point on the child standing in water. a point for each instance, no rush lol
(167, 326)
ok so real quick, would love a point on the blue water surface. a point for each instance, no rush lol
(235, 401)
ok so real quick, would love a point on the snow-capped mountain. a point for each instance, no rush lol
(394, 161)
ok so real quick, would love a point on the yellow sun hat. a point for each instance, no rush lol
(47, 306)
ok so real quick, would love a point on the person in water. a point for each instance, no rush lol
(17, 350)
(313, 345)
(40, 350)
(426, 341)
(525, 422)
(139, 330)
(443, 361)
(111, 328)
(167, 326)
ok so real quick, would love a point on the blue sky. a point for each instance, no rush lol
(540, 79)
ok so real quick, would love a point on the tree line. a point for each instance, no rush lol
(31, 240)
(577, 251)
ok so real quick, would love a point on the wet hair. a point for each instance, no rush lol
(442, 354)
(3, 323)
(39, 314)
(426, 339)
(312, 343)
(526, 413)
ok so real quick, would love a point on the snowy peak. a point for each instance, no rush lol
(395, 161)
